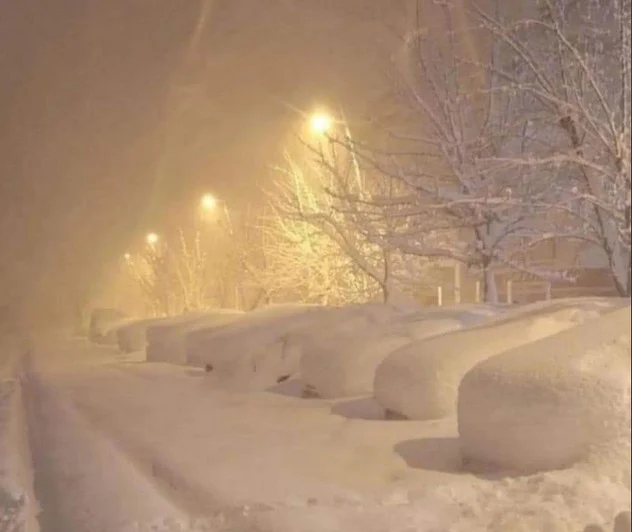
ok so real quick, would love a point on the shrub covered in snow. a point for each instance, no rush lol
(340, 360)
(550, 403)
(420, 380)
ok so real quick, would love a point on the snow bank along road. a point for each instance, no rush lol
(117, 444)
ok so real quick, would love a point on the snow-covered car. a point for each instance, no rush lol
(251, 352)
(110, 336)
(156, 332)
(133, 335)
(340, 360)
(102, 320)
(421, 379)
(168, 342)
(550, 403)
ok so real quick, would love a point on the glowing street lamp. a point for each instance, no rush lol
(152, 239)
(127, 257)
(321, 123)
(208, 202)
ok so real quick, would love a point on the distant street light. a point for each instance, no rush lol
(152, 239)
(321, 123)
(127, 257)
(208, 202)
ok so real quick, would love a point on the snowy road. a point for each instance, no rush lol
(117, 444)
(90, 475)
(121, 445)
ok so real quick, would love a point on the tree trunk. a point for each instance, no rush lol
(623, 284)
(490, 288)
(386, 292)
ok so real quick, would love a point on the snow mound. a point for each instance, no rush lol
(252, 353)
(101, 319)
(421, 380)
(622, 523)
(330, 336)
(342, 367)
(555, 501)
(133, 335)
(168, 340)
(17, 508)
(155, 333)
(110, 335)
(341, 361)
(551, 403)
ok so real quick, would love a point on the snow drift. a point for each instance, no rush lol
(18, 506)
(170, 346)
(252, 353)
(340, 361)
(548, 404)
(421, 380)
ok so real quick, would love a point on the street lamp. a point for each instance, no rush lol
(208, 202)
(152, 239)
(321, 123)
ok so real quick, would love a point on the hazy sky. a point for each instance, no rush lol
(112, 118)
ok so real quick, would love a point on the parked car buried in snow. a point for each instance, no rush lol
(252, 353)
(421, 379)
(340, 359)
(101, 322)
(168, 341)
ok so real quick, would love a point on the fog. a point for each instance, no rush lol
(114, 115)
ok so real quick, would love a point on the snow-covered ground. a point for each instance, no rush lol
(120, 444)
(17, 501)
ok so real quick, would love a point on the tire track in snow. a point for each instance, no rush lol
(182, 497)
(186, 494)
(81, 482)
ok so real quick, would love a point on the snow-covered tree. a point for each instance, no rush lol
(303, 234)
(153, 270)
(458, 199)
(571, 60)
(323, 234)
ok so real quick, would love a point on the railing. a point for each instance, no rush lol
(517, 289)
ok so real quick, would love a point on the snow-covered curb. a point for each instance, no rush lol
(18, 504)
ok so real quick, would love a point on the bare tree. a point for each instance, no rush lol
(458, 200)
(248, 273)
(193, 270)
(153, 270)
(571, 60)
(321, 233)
